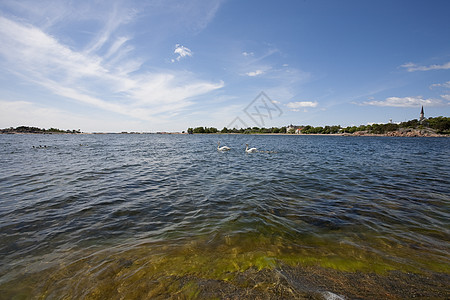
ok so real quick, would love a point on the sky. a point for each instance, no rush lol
(166, 65)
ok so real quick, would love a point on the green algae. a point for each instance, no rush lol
(223, 261)
(158, 268)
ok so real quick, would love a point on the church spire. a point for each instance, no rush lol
(422, 115)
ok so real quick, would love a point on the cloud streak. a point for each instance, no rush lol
(446, 97)
(412, 67)
(301, 104)
(405, 102)
(441, 85)
(255, 73)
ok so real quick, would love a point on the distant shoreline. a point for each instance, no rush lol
(430, 127)
(356, 134)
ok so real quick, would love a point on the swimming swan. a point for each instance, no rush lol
(251, 150)
(223, 148)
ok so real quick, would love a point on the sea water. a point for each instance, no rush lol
(157, 216)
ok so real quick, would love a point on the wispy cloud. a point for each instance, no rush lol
(115, 18)
(412, 67)
(405, 102)
(245, 53)
(301, 104)
(446, 97)
(255, 73)
(116, 46)
(441, 85)
(181, 52)
(111, 82)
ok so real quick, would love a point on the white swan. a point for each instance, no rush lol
(223, 148)
(251, 150)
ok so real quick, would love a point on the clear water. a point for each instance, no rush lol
(160, 216)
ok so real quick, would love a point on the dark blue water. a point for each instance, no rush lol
(352, 204)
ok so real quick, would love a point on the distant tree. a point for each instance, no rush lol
(377, 129)
(335, 129)
(318, 129)
(26, 129)
(440, 124)
(190, 130)
(199, 130)
(390, 127)
(307, 129)
(410, 124)
(350, 129)
(361, 128)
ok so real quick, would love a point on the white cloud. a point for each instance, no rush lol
(248, 53)
(182, 52)
(412, 67)
(255, 73)
(86, 77)
(405, 102)
(297, 105)
(446, 97)
(443, 85)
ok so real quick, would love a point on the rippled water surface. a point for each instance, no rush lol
(168, 216)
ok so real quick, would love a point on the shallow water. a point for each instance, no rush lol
(148, 216)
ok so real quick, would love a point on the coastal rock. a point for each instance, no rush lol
(402, 132)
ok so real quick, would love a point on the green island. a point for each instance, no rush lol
(28, 129)
(437, 126)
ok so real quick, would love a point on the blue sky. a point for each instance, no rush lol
(168, 65)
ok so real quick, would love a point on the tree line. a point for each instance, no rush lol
(440, 124)
(248, 130)
(28, 129)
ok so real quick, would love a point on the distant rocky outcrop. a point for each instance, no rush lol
(403, 132)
